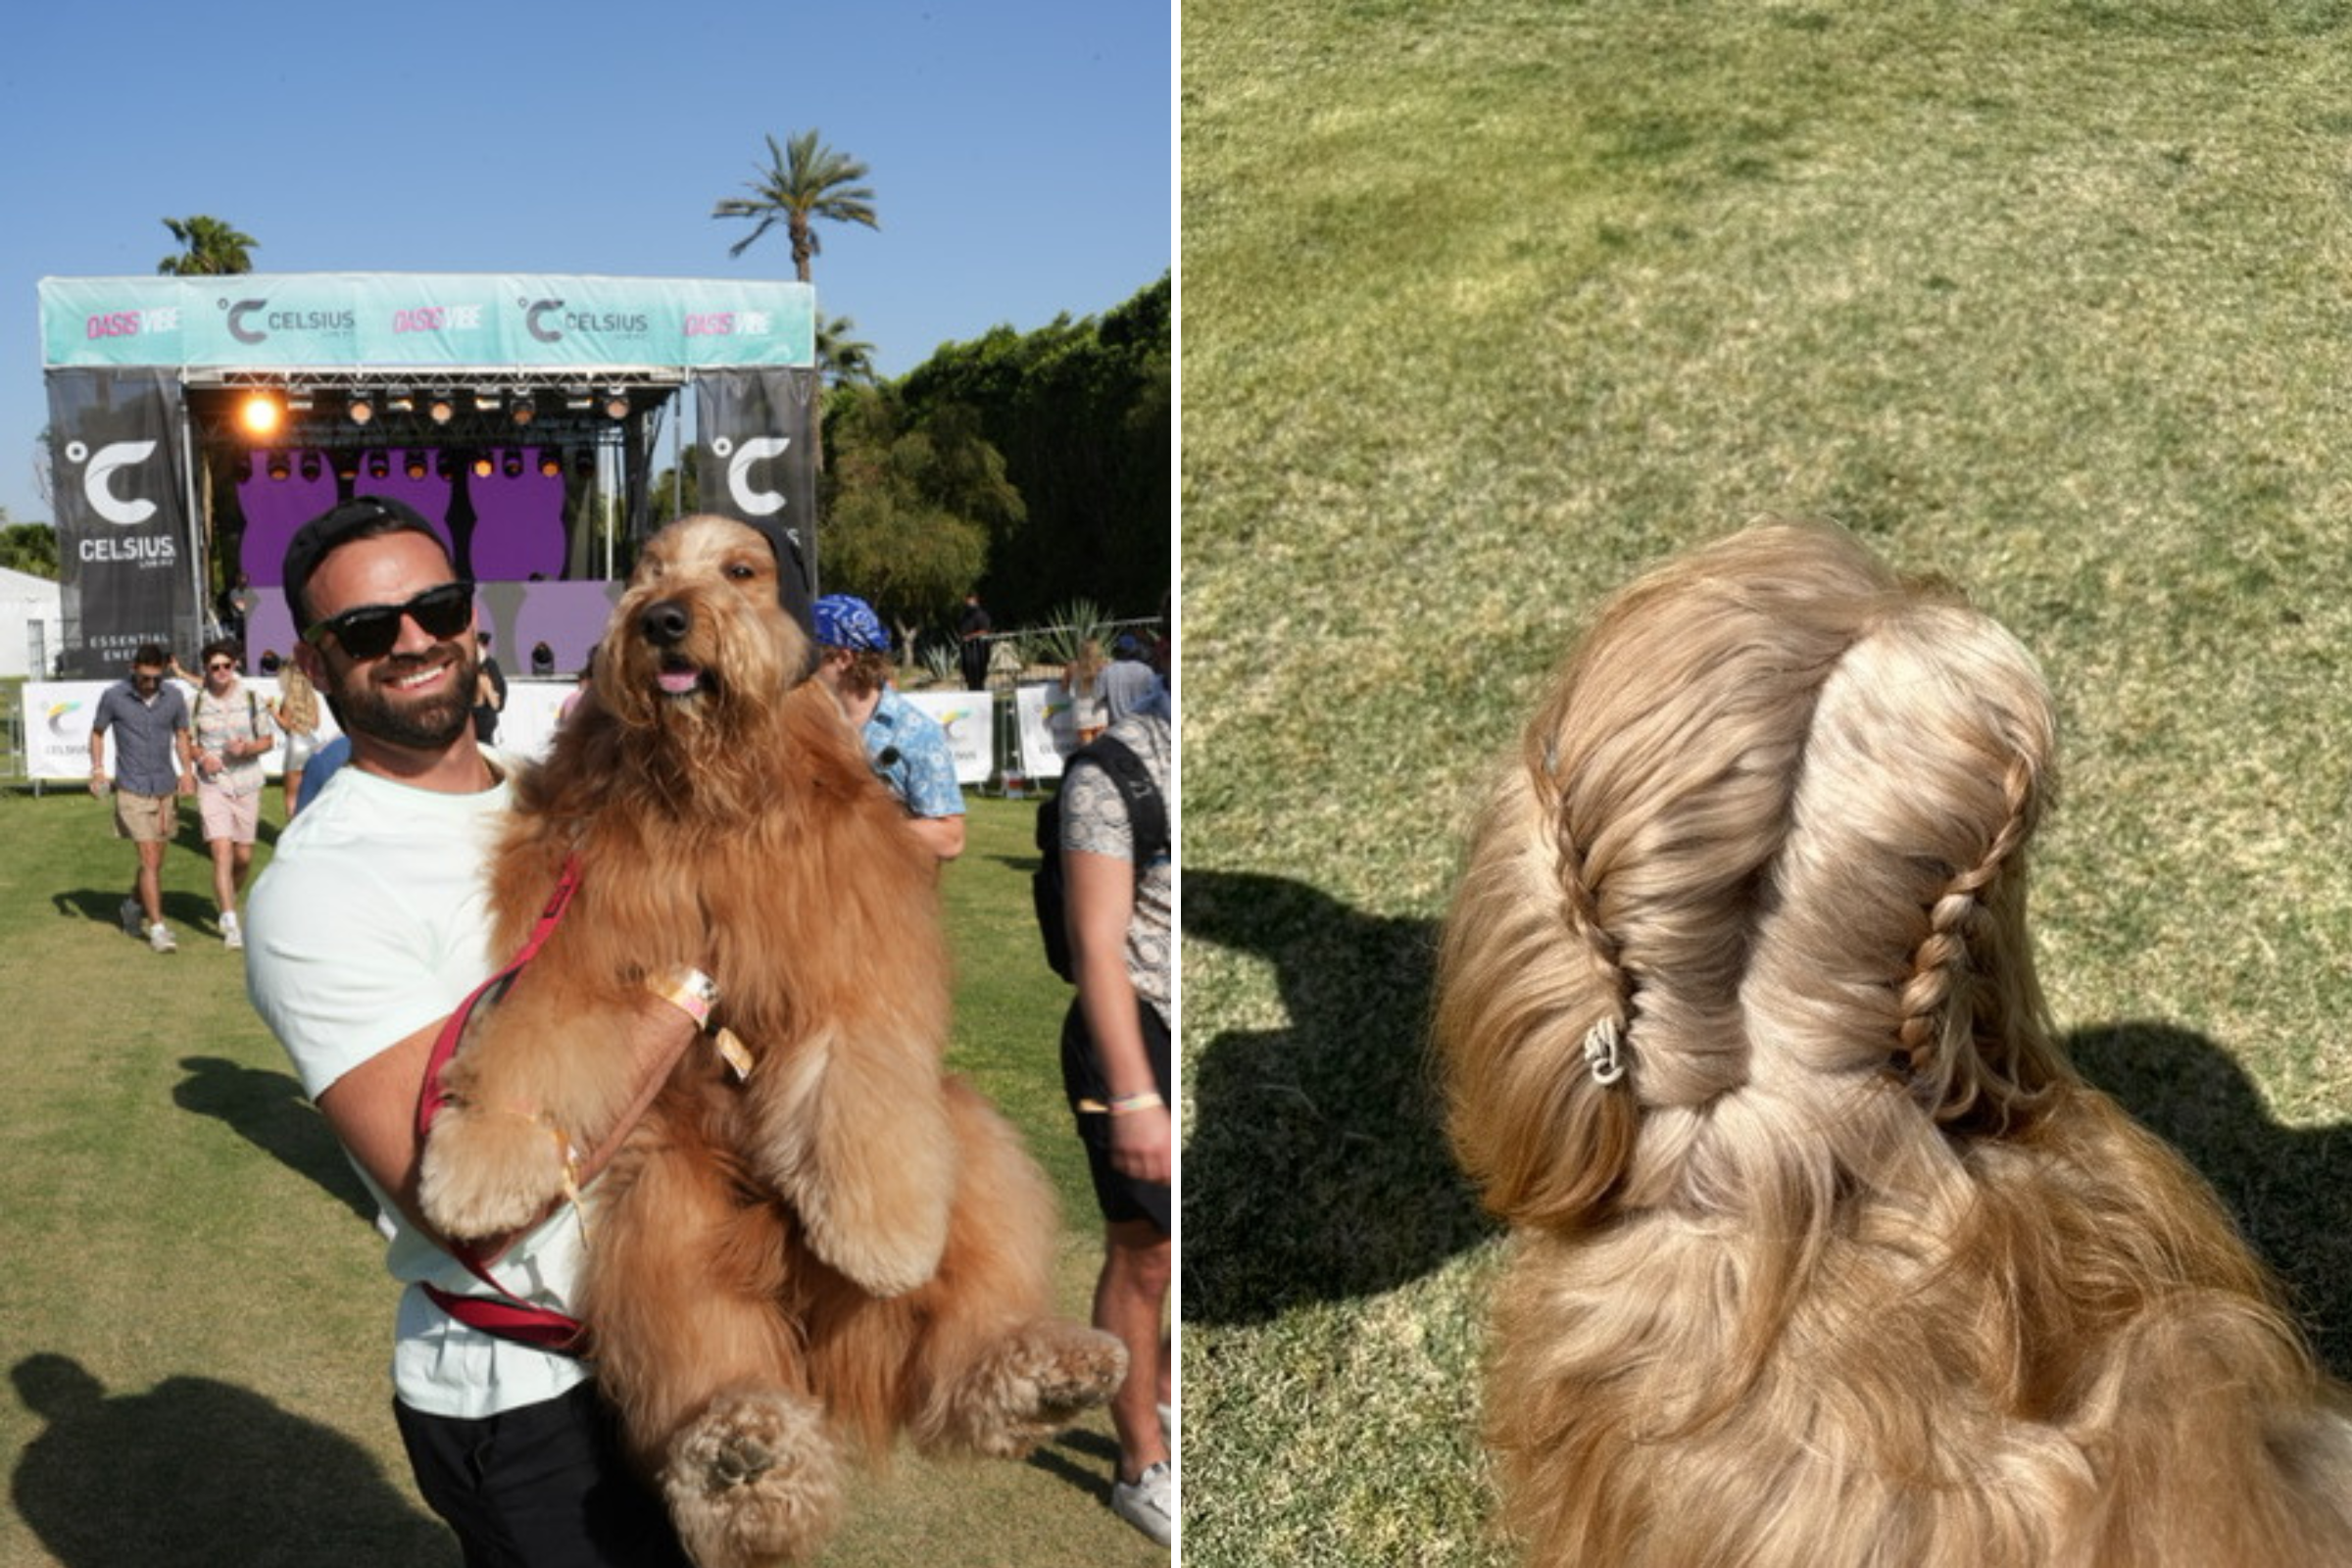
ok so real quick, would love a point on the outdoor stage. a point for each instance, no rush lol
(196, 423)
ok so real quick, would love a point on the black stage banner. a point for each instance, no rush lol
(757, 461)
(122, 543)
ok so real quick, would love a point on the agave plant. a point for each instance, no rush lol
(1074, 625)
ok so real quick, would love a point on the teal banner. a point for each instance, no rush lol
(424, 321)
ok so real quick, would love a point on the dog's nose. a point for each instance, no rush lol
(665, 624)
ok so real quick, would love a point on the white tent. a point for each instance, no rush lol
(31, 622)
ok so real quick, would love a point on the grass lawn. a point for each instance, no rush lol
(195, 1315)
(1485, 308)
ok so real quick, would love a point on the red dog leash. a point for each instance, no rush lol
(506, 1315)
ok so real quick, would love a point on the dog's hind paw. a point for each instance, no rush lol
(1026, 1386)
(485, 1173)
(754, 1482)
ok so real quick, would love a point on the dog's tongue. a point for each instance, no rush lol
(679, 683)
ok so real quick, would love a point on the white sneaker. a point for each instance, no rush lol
(231, 936)
(1146, 1502)
(134, 919)
(160, 938)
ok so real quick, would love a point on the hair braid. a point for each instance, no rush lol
(1940, 969)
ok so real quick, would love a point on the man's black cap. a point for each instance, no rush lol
(360, 517)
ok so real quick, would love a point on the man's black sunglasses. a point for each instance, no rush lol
(370, 631)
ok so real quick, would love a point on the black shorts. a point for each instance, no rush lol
(1121, 1197)
(541, 1487)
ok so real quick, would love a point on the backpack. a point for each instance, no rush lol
(1147, 823)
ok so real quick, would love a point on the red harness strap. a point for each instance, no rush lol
(504, 1315)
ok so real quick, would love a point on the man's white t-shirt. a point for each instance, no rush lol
(371, 922)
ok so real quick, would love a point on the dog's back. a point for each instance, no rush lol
(1825, 1256)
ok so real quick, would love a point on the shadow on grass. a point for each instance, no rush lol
(1083, 1459)
(196, 1473)
(268, 1109)
(2288, 1188)
(1317, 1168)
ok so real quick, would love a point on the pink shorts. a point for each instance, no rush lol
(236, 817)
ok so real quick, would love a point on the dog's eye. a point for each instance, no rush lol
(737, 571)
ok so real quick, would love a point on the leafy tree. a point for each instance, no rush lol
(29, 547)
(803, 180)
(1082, 413)
(210, 248)
(910, 505)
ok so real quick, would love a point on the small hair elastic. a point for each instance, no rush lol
(1600, 1051)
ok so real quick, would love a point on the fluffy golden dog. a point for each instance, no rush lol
(790, 1270)
(1822, 1257)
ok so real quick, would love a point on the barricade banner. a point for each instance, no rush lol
(965, 716)
(121, 526)
(1047, 729)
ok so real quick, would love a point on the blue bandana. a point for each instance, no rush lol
(844, 620)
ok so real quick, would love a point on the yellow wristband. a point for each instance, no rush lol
(690, 991)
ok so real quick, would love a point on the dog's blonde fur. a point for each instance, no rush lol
(782, 1274)
(1850, 1268)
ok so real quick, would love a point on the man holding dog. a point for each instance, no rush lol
(367, 929)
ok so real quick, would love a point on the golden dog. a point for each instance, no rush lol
(1822, 1257)
(848, 1244)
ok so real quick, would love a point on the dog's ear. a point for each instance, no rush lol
(1544, 1132)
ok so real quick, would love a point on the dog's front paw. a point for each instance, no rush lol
(488, 1172)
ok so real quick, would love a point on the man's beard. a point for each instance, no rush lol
(365, 709)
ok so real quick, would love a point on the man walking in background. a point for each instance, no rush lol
(154, 765)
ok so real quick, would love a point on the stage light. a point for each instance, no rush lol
(279, 469)
(485, 401)
(400, 400)
(346, 464)
(445, 463)
(525, 410)
(259, 414)
(442, 408)
(309, 467)
(483, 467)
(550, 464)
(578, 398)
(513, 464)
(361, 408)
(616, 404)
(298, 402)
(379, 467)
(417, 466)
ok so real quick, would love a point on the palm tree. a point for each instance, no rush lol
(841, 355)
(213, 248)
(802, 180)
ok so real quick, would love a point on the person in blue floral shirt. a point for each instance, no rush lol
(907, 746)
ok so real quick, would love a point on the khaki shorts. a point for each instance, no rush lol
(146, 819)
(236, 817)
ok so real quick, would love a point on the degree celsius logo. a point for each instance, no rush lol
(97, 479)
(758, 449)
(58, 713)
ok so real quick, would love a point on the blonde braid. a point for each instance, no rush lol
(1942, 971)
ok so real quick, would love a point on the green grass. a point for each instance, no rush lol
(196, 1318)
(1485, 308)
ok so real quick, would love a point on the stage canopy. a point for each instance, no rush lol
(195, 422)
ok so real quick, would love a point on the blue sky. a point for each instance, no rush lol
(1020, 152)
